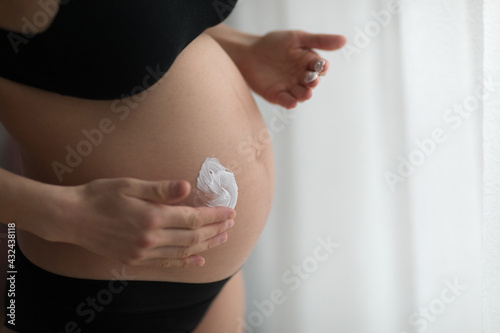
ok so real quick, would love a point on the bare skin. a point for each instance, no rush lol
(115, 210)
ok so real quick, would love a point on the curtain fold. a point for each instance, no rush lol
(491, 174)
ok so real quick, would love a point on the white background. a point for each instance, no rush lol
(406, 76)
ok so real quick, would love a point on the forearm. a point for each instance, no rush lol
(33, 206)
(236, 43)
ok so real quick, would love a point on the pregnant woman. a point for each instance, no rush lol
(132, 118)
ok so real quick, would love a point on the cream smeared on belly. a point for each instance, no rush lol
(216, 185)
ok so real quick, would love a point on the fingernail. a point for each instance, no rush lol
(319, 66)
(198, 262)
(222, 238)
(231, 215)
(230, 224)
(310, 77)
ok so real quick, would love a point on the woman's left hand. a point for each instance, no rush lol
(282, 67)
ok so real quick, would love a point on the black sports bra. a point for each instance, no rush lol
(107, 49)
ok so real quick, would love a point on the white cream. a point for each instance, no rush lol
(311, 76)
(216, 185)
(319, 66)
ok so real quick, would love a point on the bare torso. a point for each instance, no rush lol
(201, 108)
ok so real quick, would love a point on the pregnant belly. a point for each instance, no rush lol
(201, 108)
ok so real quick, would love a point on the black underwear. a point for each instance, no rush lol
(47, 302)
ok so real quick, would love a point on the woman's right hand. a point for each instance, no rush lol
(132, 221)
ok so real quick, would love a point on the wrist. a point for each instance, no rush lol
(60, 211)
(34, 206)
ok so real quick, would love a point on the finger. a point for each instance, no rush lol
(158, 191)
(191, 261)
(164, 255)
(185, 217)
(185, 237)
(319, 66)
(286, 100)
(301, 93)
(321, 41)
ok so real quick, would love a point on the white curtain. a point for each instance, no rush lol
(386, 216)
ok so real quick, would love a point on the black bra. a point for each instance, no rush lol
(106, 49)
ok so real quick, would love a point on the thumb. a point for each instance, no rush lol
(321, 41)
(159, 191)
